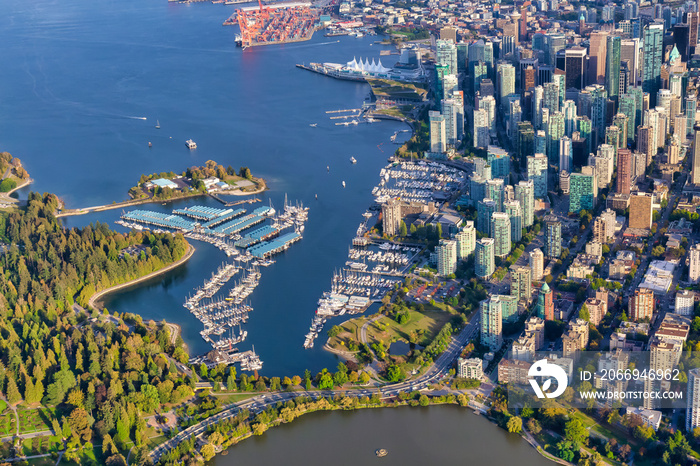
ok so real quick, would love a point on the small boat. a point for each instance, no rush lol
(313, 125)
(316, 196)
(191, 144)
(157, 124)
(149, 144)
(353, 160)
(381, 453)
(328, 168)
(343, 184)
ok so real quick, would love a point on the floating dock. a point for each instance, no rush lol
(159, 219)
(268, 248)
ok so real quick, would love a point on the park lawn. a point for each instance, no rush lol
(429, 321)
(155, 441)
(350, 331)
(34, 420)
(7, 425)
(3, 406)
(36, 446)
(46, 461)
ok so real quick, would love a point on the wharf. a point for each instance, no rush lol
(231, 204)
(319, 68)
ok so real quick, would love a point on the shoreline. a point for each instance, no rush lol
(135, 202)
(95, 298)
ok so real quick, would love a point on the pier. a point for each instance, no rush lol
(236, 203)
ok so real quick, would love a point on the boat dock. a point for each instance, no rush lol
(251, 200)
(270, 248)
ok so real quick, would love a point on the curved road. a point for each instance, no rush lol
(437, 371)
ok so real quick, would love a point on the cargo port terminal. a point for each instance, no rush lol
(277, 23)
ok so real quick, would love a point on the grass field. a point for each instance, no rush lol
(34, 420)
(386, 329)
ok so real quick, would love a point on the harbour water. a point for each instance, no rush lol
(81, 76)
(444, 435)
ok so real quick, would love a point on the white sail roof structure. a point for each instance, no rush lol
(374, 67)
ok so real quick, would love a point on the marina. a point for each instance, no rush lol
(222, 318)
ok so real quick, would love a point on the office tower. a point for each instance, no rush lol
(556, 133)
(641, 304)
(569, 110)
(695, 173)
(500, 231)
(604, 164)
(554, 43)
(481, 128)
(559, 78)
(484, 209)
(391, 217)
(693, 22)
(694, 263)
(537, 173)
(627, 107)
(599, 100)
(515, 116)
(537, 264)
(521, 282)
(446, 54)
(582, 192)
(575, 66)
(663, 100)
(597, 57)
(499, 160)
(485, 265)
(640, 211)
(448, 34)
(552, 244)
(622, 122)
(440, 72)
(612, 67)
(515, 213)
(526, 142)
(488, 103)
(494, 191)
(480, 71)
(527, 79)
(646, 143)
(466, 240)
(691, 106)
(624, 171)
(630, 54)
(641, 103)
(565, 182)
(537, 105)
(450, 85)
(692, 410)
(612, 137)
(525, 194)
(491, 323)
(679, 128)
(447, 257)
(545, 303)
(541, 142)
(566, 154)
(551, 96)
(653, 53)
(450, 112)
(506, 82)
(438, 137)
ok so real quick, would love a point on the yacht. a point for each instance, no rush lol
(191, 144)
(313, 125)
(353, 160)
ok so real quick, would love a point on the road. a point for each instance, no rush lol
(435, 373)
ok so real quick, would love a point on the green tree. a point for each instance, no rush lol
(423, 400)
(13, 396)
(514, 424)
(403, 230)
(575, 432)
(584, 314)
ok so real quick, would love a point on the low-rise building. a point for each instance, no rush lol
(470, 368)
(513, 371)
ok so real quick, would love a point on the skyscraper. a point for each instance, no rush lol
(525, 194)
(582, 192)
(506, 82)
(521, 282)
(612, 71)
(484, 266)
(438, 136)
(447, 257)
(566, 154)
(694, 263)
(500, 231)
(481, 128)
(597, 51)
(695, 173)
(537, 264)
(466, 240)
(446, 54)
(692, 410)
(499, 160)
(691, 106)
(575, 66)
(552, 245)
(515, 213)
(537, 173)
(624, 171)
(556, 133)
(653, 53)
(526, 142)
(545, 303)
(491, 323)
(640, 211)
(627, 106)
(484, 209)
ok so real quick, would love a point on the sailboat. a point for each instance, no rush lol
(157, 124)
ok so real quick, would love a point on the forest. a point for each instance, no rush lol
(95, 374)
